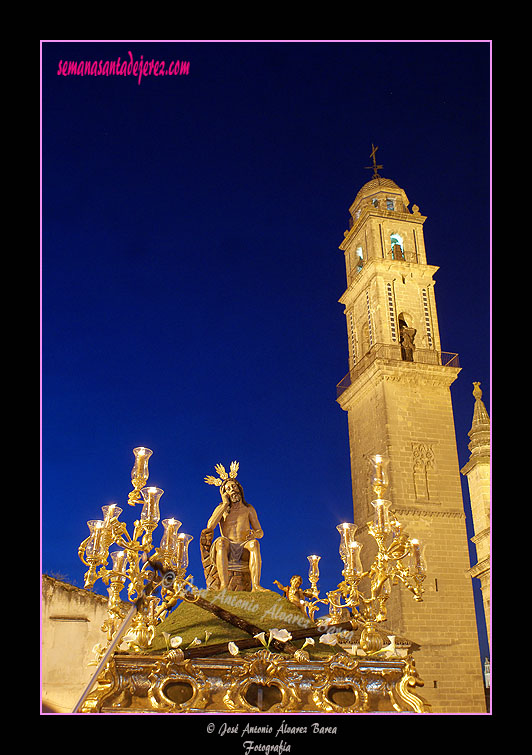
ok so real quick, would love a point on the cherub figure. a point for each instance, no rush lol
(296, 595)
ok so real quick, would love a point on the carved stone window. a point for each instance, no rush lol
(423, 460)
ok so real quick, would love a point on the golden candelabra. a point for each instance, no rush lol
(144, 567)
(398, 560)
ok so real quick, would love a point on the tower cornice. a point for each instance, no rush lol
(474, 460)
(481, 568)
(384, 268)
(382, 368)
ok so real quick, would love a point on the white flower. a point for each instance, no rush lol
(166, 636)
(207, 635)
(388, 651)
(329, 639)
(283, 635)
(262, 637)
(194, 642)
(233, 649)
(308, 641)
(391, 646)
(176, 641)
(352, 650)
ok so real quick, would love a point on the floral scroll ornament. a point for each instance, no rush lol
(264, 669)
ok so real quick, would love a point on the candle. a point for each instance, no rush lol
(150, 510)
(314, 571)
(416, 552)
(379, 478)
(382, 519)
(140, 469)
(109, 513)
(119, 559)
(168, 540)
(378, 467)
(97, 536)
(347, 533)
(183, 542)
(354, 563)
(380, 516)
(180, 545)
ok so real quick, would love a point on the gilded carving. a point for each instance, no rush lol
(405, 690)
(265, 669)
(168, 672)
(342, 674)
(339, 684)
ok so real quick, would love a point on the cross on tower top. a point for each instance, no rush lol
(375, 167)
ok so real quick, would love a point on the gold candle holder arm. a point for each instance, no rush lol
(82, 549)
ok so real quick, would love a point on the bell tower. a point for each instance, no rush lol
(398, 402)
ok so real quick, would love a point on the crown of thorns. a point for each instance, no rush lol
(233, 471)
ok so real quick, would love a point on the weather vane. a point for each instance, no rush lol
(375, 167)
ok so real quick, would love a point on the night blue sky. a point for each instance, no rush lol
(191, 271)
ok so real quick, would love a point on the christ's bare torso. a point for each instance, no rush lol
(239, 522)
(236, 526)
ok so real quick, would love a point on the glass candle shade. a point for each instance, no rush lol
(314, 569)
(169, 538)
(379, 477)
(354, 562)
(150, 511)
(417, 561)
(139, 473)
(181, 553)
(347, 536)
(382, 516)
(95, 548)
(119, 560)
(109, 512)
(396, 526)
(335, 606)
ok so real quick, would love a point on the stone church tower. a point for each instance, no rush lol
(398, 402)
